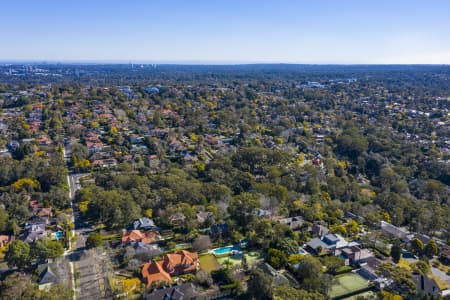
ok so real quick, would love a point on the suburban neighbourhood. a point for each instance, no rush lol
(293, 183)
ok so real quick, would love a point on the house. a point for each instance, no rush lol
(145, 251)
(44, 212)
(177, 219)
(319, 230)
(180, 262)
(330, 242)
(173, 264)
(132, 236)
(53, 273)
(143, 223)
(105, 163)
(445, 254)
(393, 231)
(34, 232)
(353, 255)
(202, 216)
(6, 240)
(262, 213)
(368, 269)
(154, 274)
(186, 291)
(36, 220)
(277, 277)
(221, 230)
(293, 222)
(426, 286)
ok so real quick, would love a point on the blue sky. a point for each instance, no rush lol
(227, 31)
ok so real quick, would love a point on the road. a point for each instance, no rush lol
(85, 265)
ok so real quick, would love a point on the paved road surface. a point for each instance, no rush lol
(86, 264)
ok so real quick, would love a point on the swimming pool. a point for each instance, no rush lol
(225, 250)
(58, 235)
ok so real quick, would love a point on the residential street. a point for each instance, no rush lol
(82, 263)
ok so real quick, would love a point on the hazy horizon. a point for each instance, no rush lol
(344, 32)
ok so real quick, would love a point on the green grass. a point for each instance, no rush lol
(368, 295)
(252, 259)
(208, 263)
(348, 283)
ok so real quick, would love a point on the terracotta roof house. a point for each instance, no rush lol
(5, 240)
(154, 273)
(44, 212)
(131, 236)
(180, 262)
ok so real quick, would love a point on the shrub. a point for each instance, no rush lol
(344, 269)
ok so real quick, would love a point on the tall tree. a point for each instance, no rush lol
(18, 255)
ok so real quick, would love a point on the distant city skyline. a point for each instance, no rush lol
(227, 32)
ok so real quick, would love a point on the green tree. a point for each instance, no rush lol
(3, 220)
(18, 255)
(401, 280)
(260, 285)
(396, 252)
(431, 249)
(17, 286)
(311, 277)
(333, 263)
(242, 209)
(94, 240)
(422, 266)
(277, 258)
(285, 292)
(417, 246)
(45, 248)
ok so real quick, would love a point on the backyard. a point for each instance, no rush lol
(208, 263)
(348, 284)
(252, 258)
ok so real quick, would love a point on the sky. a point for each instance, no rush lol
(227, 31)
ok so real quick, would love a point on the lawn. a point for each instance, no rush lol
(348, 283)
(252, 259)
(208, 263)
(365, 295)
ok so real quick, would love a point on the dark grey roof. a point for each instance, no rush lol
(143, 223)
(277, 277)
(185, 291)
(316, 243)
(54, 272)
(47, 276)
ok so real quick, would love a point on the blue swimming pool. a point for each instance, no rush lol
(59, 234)
(301, 251)
(225, 250)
